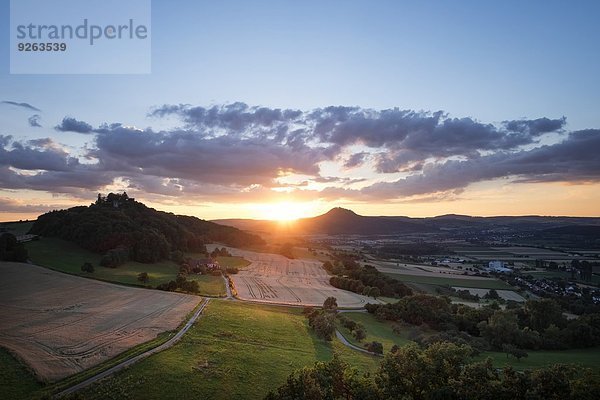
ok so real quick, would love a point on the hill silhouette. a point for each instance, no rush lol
(125, 228)
(338, 221)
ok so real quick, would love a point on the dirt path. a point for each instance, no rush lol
(228, 288)
(346, 343)
(127, 363)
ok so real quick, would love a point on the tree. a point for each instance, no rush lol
(514, 351)
(543, 313)
(374, 292)
(323, 323)
(11, 249)
(87, 267)
(143, 277)
(359, 334)
(492, 294)
(502, 327)
(375, 347)
(330, 304)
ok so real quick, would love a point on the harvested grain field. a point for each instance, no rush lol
(272, 278)
(61, 324)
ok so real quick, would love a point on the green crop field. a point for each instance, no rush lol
(67, 257)
(441, 281)
(235, 350)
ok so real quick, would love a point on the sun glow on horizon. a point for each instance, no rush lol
(286, 211)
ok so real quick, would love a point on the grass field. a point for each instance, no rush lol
(16, 382)
(237, 262)
(67, 257)
(380, 331)
(588, 358)
(235, 350)
(440, 281)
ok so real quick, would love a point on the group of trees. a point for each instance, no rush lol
(182, 284)
(539, 324)
(357, 329)
(11, 249)
(367, 280)
(146, 235)
(220, 252)
(441, 371)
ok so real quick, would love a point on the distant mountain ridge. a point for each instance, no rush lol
(341, 221)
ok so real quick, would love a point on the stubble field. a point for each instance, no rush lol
(60, 324)
(272, 278)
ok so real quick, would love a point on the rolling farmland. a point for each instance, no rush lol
(60, 324)
(272, 278)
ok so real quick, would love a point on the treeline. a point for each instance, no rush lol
(11, 249)
(122, 228)
(441, 371)
(539, 324)
(367, 280)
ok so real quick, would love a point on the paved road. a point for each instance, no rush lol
(131, 361)
(348, 344)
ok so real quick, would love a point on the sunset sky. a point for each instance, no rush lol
(285, 109)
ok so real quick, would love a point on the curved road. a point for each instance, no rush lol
(345, 342)
(131, 361)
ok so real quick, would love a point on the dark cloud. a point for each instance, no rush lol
(356, 160)
(8, 205)
(34, 121)
(191, 155)
(69, 124)
(336, 179)
(236, 151)
(575, 159)
(236, 118)
(22, 105)
(536, 127)
(35, 155)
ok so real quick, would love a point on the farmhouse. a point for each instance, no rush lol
(207, 263)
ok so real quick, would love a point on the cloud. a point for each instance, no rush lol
(8, 205)
(69, 124)
(536, 127)
(22, 105)
(226, 159)
(237, 152)
(356, 160)
(34, 121)
(575, 159)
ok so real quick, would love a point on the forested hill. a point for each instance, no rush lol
(142, 233)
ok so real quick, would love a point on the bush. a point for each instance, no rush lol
(143, 277)
(87, 267)
(375, 347)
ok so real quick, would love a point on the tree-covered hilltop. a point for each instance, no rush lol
(120, 227)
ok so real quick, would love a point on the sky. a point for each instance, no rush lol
(284, 109)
